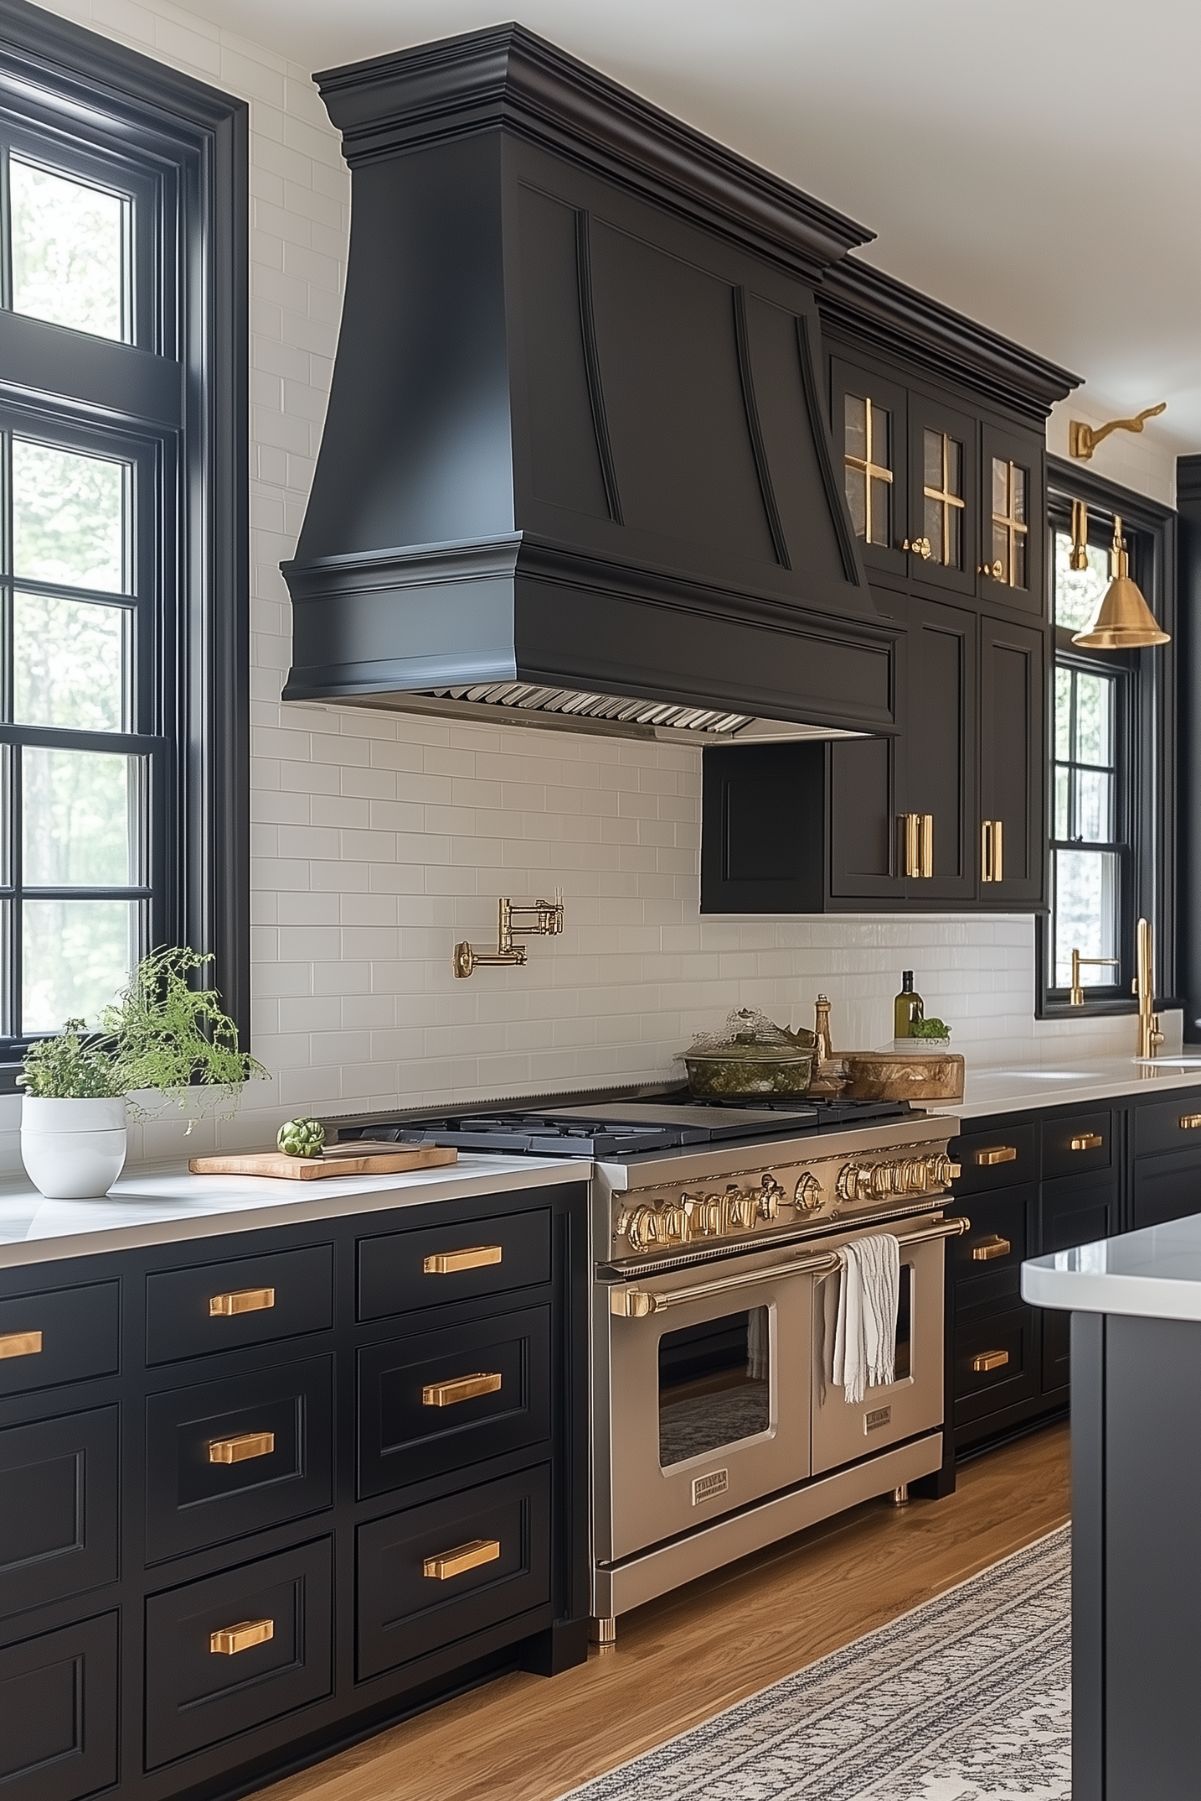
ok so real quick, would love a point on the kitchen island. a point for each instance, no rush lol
(1135, 1303)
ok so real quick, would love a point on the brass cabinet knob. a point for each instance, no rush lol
(987, 1250)
(995, 569)
(461, 1388)
(227, 1641)
(919, 547)
(989, 1360)
(461, 1559)
(21, 1344)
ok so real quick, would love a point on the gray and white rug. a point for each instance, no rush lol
(968, 1698)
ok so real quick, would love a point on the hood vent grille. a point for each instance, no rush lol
(616, 715)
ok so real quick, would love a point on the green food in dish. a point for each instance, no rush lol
(301, 1138)
(929, 1028)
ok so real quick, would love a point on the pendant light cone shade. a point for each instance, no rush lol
(1124, 620)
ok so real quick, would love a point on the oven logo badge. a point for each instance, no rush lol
(707, 1488)
(879, 1416)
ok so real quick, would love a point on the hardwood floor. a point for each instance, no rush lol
(682, 1659)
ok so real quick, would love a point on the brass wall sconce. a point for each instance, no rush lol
(543, 918)
(1084, 438)
(1124, 620)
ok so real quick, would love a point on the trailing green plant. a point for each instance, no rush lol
(164, 1033)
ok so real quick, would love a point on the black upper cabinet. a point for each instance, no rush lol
(1013, 764)
(868, 418)
(1011, 563)
(939, 754)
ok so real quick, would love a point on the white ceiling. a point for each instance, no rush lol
(1035, 163)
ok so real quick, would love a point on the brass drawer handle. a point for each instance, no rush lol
(242, 1448)
(997, 1153)
(989, 1360)
(986, 1250)
(1088, 1141)
(462, 1388)
(461, 1559)
(227, 1641)
(242, 1300)
(475, 1256)
(21, 1344)
(1190, 1122)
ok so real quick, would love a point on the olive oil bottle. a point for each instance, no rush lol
(907, 1008)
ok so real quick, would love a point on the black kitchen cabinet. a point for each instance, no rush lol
(1013, 765)
(1073, 1210)
(939, 754)
(1165, 1187)
(1012, 553)
(236, 1535)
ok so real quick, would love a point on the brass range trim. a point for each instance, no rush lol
(21, 1344)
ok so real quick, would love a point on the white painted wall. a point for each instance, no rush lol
(378, 841)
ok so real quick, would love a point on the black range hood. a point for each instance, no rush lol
(576, 468)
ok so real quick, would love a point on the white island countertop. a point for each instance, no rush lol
(1154, 1274)
(159, 1206)
(1017, 1088)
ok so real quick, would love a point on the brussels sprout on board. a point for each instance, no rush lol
(301, 1138)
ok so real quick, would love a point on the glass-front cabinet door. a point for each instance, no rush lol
(1011, 559)
(870, 433)
(943, 496)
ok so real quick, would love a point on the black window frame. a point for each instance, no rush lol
(1147, 764)
(176, 397)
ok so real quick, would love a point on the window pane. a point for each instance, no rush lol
(71, 663)
(1063, 713)
(1063, 791)
(1094, 719)
(70, 249)
(1094, 807)
(854, 413)
(1086, 905)
(80, 814)
(1078, 592)
(69, 517)
(75, 957)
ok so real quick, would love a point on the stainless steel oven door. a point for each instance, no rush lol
(913, 1403)
(705, 1381)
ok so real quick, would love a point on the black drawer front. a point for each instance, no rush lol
(242, 1301)
(404, 1613)
(1173, 1125)
(442, 1400)
(201, 1687)
(996, 1364)
(429, 1265)
(995, 1158)
(987, 1260)
(64, 1335)
(58, 1713)
(1077, 1145)
(1166, 1188)
(58, 1508)
(194, 1499)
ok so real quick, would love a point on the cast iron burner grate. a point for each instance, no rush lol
(533, 1135)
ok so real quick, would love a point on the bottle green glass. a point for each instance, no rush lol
(907, 1008)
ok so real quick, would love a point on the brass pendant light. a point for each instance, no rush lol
(1124, 620)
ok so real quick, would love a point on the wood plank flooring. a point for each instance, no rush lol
(681, 1659)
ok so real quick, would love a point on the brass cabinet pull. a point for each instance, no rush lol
(918, 547)
(242, 1448)
(927, 846)
(986, 851)
(227, 1641)
(995, 569)
(241, 1300)
(998, 850)
(21, 1344)
(996, 1153)
(461, 1559)
(1088, 1141)
(989, 1360)
(912, 824)
(986, 1250)
(462, 1388)
(1190, 1122)
(475, 1256)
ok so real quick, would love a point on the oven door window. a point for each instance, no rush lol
(714, 1385)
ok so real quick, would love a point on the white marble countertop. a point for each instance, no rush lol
(1154, 1273)
(1018, 1087)
(157, 1206)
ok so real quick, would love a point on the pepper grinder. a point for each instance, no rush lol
(829, 1072)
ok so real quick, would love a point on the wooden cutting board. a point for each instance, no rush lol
(362, 1157)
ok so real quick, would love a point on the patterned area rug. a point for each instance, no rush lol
(966, 1699)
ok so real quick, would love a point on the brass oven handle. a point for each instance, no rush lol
(475, 1256)
(927, 870)
(462, 1388)
(463, 1558)
(242, 1448)
(989, 1360)
(912, 823)
(241, 1300)
(227, 1641)
(21, 1344)
(1190, 1122)
(1087, 1141)
(987, 1250)
(996, 1153)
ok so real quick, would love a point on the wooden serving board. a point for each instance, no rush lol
(362, 1157)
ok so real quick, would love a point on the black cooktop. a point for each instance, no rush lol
(617, 1129)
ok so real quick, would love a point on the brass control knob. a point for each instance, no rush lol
(742, 1207)
(641, 1227)
(807, 1195)
(941, 1170)
(770, 1196)
(676, 1222)
(854, 1182)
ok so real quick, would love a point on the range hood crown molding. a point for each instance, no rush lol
(507, 76)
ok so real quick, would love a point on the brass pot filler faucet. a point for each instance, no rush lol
(1150, 1037)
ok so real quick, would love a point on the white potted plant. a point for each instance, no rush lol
(161, 1035)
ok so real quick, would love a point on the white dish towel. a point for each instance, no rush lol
(865, 1333)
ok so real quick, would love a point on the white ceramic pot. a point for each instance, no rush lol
(72, 1150)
